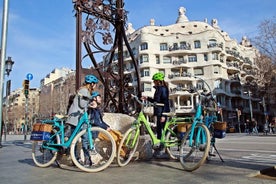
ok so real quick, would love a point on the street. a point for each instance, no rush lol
(244, 156)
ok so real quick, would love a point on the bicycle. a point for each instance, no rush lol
(101, 145)
(195, 145)
(170, 139)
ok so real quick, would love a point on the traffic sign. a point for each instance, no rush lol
(29, 76)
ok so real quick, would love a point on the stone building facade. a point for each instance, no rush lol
(203, 50)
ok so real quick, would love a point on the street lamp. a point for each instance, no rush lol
(8, 66)
(7, 69)
(250, 103)
(265, 115)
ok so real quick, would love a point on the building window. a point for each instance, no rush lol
(192, 58)
(162, 71)
(216, 69)
(215, 56)
(200, 85)
(166, 60)
(205, 57)
(157, 59)
(144, 58)
(144, 46)
(163, 46)
(145, 72)
(212, 43)
(197, 44)
(146, 87)
(184, 45)
(198, 71)
(134, 52)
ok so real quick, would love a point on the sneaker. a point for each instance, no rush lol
(87, 162)
(202, 147)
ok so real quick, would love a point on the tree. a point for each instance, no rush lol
(266, 68)
(265, 41)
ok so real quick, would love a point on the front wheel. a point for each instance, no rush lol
(44, 156)
(193, 154)
(128, 146)
(93, 155)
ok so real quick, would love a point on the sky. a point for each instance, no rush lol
(41, 33)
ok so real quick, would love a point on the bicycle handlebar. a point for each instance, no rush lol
(146, 104)
(202, 94)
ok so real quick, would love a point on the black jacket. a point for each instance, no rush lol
(161, 95)
(97, 119)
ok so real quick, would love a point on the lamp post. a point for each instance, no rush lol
(7, 69)
(265, 115)
(3, 56)
(250, 104)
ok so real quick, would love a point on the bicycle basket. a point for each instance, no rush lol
(41, 132)
(220, 129)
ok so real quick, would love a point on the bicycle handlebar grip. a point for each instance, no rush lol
(159, 104)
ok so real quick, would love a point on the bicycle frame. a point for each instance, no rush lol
(197, 120)
(141, 119)
(59, 124)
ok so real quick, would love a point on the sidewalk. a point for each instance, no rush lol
(15, 137)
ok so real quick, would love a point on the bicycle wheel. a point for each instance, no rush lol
(173, 142)
(102, 154)
(43, 156)
(193, 155)
(128, 146)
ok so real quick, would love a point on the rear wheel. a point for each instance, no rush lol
(173, 142)
(128, 146)
(99, 157)
(43, 156)
(193, 154)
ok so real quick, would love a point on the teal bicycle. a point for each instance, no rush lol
(170, 138)
(195, 144)
(101, 146)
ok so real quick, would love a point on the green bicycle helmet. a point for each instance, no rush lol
(158, 76)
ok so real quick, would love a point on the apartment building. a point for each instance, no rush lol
(203, 50)
(55, 93)
(19, 111)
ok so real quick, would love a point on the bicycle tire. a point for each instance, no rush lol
(192, 157)
(44, 157)
(173, 139)
(127, 146)
(102, 155)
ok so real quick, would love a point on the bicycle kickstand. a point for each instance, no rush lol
(218, 153)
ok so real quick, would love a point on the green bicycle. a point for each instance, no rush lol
(170, 138)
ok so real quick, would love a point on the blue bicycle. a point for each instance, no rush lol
(195, 144)
(100, 145)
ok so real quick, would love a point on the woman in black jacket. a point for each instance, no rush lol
(161, 95)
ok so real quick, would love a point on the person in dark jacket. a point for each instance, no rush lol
(161, 95)
(95, 112)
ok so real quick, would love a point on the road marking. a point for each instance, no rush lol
(247, 150)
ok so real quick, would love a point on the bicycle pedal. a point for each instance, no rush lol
(212, 155)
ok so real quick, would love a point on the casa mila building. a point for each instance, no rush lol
(203, 50)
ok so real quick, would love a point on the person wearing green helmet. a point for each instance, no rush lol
(161, 95)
